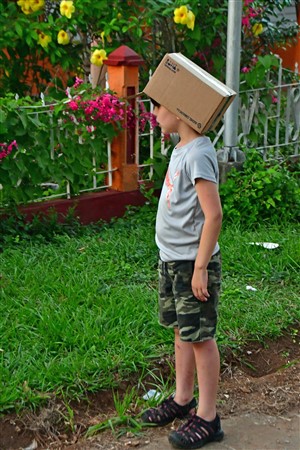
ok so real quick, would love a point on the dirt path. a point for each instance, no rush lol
(257, 414)
(254, 431)
(259, 403)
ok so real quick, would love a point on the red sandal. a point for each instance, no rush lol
(167, 411)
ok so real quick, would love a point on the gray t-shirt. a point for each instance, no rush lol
(180, 218)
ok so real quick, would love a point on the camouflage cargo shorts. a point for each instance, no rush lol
(179, 308)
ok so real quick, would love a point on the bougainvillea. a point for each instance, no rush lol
(6, 149)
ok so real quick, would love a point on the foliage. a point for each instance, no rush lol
(79, 310)
(66, 35)
(262, 191)
(63, 141)
(16, 229)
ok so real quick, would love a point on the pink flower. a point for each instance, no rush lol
(5, 149)
(104, 108)
(245, 69)
(246, 22)
(253, 13)
(78, 82)
(147, 117)
(73, 105)
(90, 129)
(89, 110)
(274, 99)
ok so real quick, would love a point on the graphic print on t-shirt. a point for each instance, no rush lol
(170, 185)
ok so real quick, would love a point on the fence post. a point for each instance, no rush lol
(123, 79)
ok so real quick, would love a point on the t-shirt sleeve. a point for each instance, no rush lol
(202, 163)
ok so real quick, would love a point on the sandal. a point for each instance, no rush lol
(167, 411)
(196, 432)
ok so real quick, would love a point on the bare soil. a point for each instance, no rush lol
(263, 379)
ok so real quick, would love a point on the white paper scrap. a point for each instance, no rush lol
(268, 245)
(251, 288)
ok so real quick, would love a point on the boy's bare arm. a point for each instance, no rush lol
(209, 199)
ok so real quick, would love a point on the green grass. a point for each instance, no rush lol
(80, 313)
(275, 274)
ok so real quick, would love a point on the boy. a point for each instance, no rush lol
(188, 224)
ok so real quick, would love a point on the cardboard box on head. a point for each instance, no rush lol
(189, 92)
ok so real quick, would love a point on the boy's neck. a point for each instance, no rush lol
(187, 134)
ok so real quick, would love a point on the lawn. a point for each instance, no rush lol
(79, 314)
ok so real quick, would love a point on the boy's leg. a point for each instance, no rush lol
(185, 370)
(208, 370)
(197, 322)
(183, 402)
(205, 425)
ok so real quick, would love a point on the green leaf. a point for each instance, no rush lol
(23, 118)
(19, 29)
(3, 116)
(28, 40)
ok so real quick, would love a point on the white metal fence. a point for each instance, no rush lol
(278, 122)
(271, 128)
(269, 118)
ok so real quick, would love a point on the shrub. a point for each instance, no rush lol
(262, 191)
(44, 145)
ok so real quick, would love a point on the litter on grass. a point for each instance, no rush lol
(268, 245)
(251, 288)
(152, 393)
(32, 446)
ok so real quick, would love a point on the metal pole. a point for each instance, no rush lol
(234, 26)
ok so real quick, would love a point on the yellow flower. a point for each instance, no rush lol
(181, 15)
(257, 29)
(67, 8)
(190, 20)
(44, 40)
(63, 38)
(36, 4)
(25, 6)
(26, 9)
(30, 6)
(98, 57)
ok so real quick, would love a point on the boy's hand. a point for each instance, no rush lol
(199, 284)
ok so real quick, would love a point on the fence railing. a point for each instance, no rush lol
(269, 119)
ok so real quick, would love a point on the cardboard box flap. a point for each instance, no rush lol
(201, 74)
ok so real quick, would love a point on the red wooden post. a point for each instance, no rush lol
(123, 78)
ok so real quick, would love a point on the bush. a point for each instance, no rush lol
(45, 146)
(262, 191)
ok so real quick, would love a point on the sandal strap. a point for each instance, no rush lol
(196, 432)
(167, 411)
(196, 425)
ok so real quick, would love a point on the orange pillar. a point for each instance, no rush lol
(123, 79)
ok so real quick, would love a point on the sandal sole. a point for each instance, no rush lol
(190, 446)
